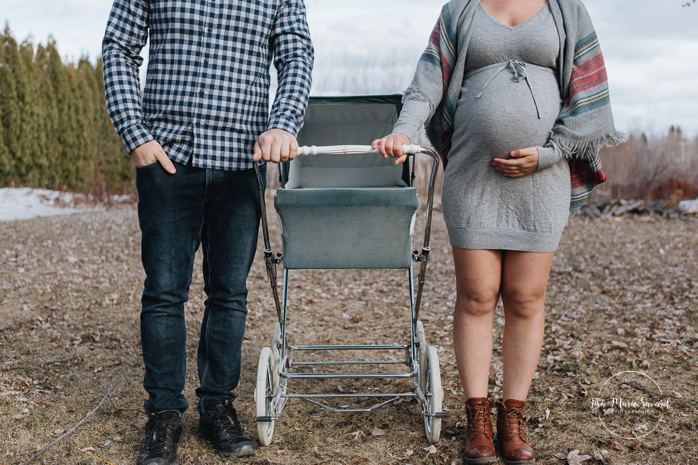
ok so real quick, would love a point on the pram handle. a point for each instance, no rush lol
(423, 257)
(350, 150)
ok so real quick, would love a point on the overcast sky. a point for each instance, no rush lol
(371, 46)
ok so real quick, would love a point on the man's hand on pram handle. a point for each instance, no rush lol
(391, 146)
(275, 145)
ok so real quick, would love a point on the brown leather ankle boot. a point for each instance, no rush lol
(479, 447)
(510, 432)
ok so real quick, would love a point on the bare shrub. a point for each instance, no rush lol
(651, 167)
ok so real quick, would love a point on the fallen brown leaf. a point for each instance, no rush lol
(612, 443)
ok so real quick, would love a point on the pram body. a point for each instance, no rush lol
(343, 208)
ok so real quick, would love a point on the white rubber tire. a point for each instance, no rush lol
(433, 394)
(264, 396)
(275, 354)
(421, 352)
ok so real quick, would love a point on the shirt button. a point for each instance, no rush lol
(201, 92)
(206, 61)
(198, 122)
(210, 29)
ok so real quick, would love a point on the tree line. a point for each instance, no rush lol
(54, 129)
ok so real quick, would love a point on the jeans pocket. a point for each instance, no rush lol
(149, 165)
(148, 177)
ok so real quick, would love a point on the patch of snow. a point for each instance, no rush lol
(689, 206)
(25, 203)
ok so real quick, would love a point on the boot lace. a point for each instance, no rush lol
(514, 422)
(478, 419)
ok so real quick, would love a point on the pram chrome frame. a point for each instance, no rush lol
(272, 376)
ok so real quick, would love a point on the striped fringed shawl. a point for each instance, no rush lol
(585, 123)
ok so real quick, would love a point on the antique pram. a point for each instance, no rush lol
(346, 207)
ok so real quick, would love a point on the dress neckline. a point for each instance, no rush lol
(518, 25)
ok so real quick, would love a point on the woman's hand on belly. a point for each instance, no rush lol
(523, 162)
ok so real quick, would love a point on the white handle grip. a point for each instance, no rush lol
(350, 149)
(411, 149)
(335, 150)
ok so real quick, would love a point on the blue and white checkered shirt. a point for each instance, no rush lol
(206, 95)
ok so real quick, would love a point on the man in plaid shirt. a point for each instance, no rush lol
(202, 122)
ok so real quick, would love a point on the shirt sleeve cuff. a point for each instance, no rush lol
(281, 121)
(548, 156)
(135, 136)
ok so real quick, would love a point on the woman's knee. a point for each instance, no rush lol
(477, 303)
(524, 280)
(523, 302)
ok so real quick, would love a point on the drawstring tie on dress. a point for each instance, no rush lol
(519, 70)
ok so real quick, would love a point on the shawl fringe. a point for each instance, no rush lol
(572, 150)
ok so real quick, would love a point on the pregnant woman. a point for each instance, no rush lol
(513, 94)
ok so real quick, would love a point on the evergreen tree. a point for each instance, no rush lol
(32, 161)
(49, 145)
(64, 140)
(9, 110)
(54, 128)
(88, 108)
(114, 168)
(72, 122)
(22, 148)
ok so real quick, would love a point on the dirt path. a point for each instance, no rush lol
(622, 296)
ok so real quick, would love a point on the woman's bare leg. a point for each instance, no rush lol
(478, 278)
(524, 280)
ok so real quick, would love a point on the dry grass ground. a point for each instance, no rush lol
(622, 296)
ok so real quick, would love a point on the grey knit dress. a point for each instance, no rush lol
(510, 100)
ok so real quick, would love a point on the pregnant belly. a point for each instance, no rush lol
(505, 116)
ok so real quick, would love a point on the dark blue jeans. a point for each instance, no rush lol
(219, 210)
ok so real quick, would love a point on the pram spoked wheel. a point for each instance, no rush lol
(431, 382)
(265, 395)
